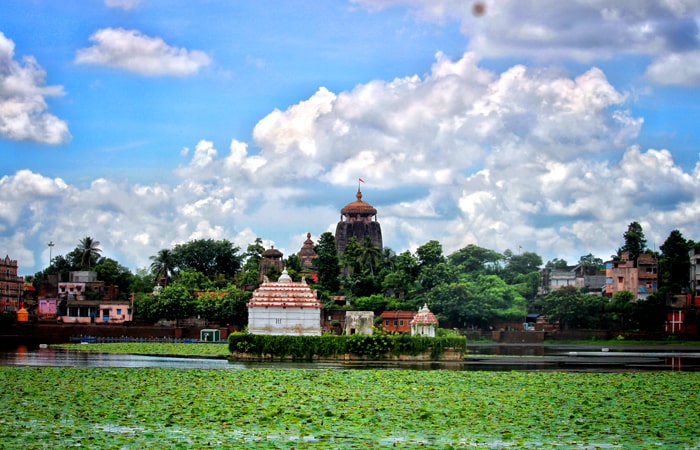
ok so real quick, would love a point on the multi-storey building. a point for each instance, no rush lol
(694, 271)
(11, 285)
(636, 276)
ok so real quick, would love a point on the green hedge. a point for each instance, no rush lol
(376, 346)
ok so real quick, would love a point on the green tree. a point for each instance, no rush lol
(571, 308)
(141, 281)
(590, 261)
(674, 264)
(635, 242)
(209, 257)
(350, 259)
(369, 256)
(523, 264)
(326, 264)
(622, 309)
(556, 263)
(113, 273)
(473, 260)
(194, 281)
(476, 303)
(430, 254)
(374, 302)
(89, 250)
(163, 265)
(293, 266)
(174, 303)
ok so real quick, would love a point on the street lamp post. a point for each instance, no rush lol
(50, 244)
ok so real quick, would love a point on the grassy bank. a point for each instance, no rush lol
(159, 349)
(268, 408)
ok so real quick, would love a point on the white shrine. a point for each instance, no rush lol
(284, 308)
(424, 323)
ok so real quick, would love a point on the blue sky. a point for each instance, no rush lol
(543, 124)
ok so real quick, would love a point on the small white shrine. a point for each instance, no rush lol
(284, 308)
(424, 323)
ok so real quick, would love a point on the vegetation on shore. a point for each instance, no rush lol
(293, 408)
(375, 346)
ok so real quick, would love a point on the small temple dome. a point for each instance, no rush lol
(424, 317)
(272, 253)
(284, 278)
(359, 207)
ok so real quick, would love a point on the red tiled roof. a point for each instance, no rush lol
(284, 293)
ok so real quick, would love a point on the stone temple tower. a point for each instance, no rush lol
(356, 219)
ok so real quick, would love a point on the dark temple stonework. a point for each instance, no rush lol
(356, 220)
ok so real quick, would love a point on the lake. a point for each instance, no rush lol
(484, 357)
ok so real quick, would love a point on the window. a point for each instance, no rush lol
(278, 321)
(396, 322)
(386, 322)
(620, 279)
(119, 311)
(401, 323)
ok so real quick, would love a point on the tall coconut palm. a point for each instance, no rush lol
(163, 265)
(369, 255)
(88, 249)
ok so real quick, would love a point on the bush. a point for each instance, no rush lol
(376, 346)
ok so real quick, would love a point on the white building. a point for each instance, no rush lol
(424, 323)
(284, 307)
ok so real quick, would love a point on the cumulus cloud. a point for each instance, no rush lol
(23, 93)
(461, 155)
(676, 69)
(135, 52)
(581, 30)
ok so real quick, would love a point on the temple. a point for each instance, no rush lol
(356, 220)
(271, 263)
(284, 307)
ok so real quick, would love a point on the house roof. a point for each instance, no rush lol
(397, 315)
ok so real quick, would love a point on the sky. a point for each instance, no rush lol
(522, 125)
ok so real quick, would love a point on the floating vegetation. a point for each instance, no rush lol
(271, 408)
(153, 348)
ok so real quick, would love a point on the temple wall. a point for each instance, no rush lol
(290, 321)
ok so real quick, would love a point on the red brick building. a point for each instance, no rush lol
(397, 321)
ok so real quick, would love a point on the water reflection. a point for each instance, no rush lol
(483, 357)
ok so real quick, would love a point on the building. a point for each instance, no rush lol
(307, 254)
(397, 321)
(11, 285)
(96, 311)
(271, 262)
(578, 276)
(359, 322)
(358, 219)
(636, 276)
(694, 272)
(424, 323)
(284, 307)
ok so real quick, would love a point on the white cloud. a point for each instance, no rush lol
(676, 69)
(123, 4)
(461, 155)
(582, 30)
(23, 107)
(133, 51)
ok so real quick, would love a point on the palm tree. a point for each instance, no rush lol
(88, 249)
(369, 254)
(163, 265)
